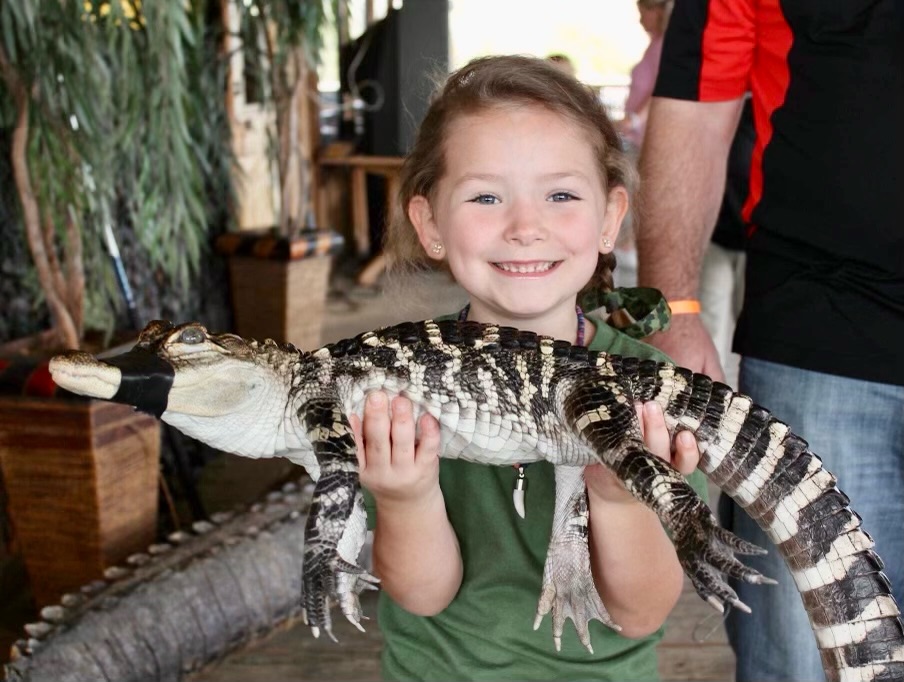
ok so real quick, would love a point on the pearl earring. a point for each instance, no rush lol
(436, 248)
(607, 243)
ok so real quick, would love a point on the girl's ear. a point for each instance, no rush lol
(616, 210)
(421, 216)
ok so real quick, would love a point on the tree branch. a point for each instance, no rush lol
(62, 318)
(48, 238)
(75, 270)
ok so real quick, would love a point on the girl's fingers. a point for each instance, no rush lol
(687, 454)
(402, 432)
(376, 430)
(429, 442)
(656, 434)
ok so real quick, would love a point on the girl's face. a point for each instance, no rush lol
(522, 215)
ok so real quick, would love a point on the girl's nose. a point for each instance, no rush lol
(524, 224)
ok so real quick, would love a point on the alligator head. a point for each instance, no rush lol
(218, 388)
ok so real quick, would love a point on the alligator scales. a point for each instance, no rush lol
(503, 396)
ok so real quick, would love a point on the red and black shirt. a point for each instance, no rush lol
(825, 276)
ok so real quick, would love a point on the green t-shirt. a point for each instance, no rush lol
(486, 633)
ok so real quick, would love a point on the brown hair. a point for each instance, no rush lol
(483, 84)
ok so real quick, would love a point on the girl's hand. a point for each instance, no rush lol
(604, 484)
(395, 465)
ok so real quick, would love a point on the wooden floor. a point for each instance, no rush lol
(694, 648)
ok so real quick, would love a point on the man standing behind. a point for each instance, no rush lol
(822, 323)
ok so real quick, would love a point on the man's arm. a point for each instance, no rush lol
(682, 168)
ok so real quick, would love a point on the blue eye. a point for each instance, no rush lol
(562, 196)
(487, 199)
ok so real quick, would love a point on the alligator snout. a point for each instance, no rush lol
(82, 373)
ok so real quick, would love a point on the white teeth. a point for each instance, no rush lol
(525, 268)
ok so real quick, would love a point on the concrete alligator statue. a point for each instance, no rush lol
(504, 396)
(179, 607)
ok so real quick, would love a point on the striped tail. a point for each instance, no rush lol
(772, 474)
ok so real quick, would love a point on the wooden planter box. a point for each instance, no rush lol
(82, 479)
(279, 286)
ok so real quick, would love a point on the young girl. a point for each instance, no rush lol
(517, 183)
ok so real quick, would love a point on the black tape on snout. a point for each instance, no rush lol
(146, 380)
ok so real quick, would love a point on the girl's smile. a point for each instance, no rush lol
(527, 268)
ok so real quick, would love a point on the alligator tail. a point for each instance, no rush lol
(774, 476)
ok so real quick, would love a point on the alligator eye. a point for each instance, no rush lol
(191, 335)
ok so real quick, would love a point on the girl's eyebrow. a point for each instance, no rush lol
(491, 177)
(477, 176)
(565, 175)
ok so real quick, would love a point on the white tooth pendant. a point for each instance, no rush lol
(518, 491)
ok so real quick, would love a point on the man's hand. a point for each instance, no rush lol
(604, 484)
(690, 346)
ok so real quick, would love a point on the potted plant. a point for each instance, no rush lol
(279, 271)
(102, 103)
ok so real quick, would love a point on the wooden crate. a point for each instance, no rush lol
(279, 284)
(280, 300)
(82, 483)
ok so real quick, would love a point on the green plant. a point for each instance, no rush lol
(103, 101)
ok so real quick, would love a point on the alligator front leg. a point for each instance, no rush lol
(336, 523)
(568, 587)
(351, 584)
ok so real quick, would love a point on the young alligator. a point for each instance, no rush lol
(504, 396)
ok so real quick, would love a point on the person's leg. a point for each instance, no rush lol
(857, 428)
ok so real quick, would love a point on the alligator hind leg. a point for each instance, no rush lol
(568, 587)
(705, 550)
(604, 417)
(336, 516)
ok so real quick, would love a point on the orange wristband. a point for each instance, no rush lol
(689, 306)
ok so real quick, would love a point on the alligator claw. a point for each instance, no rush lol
(757, 580)
(351, 581)
(741, 606)
(569, 592)
(706, 552)
(716, 603)
(337, 581)
(736, 544)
